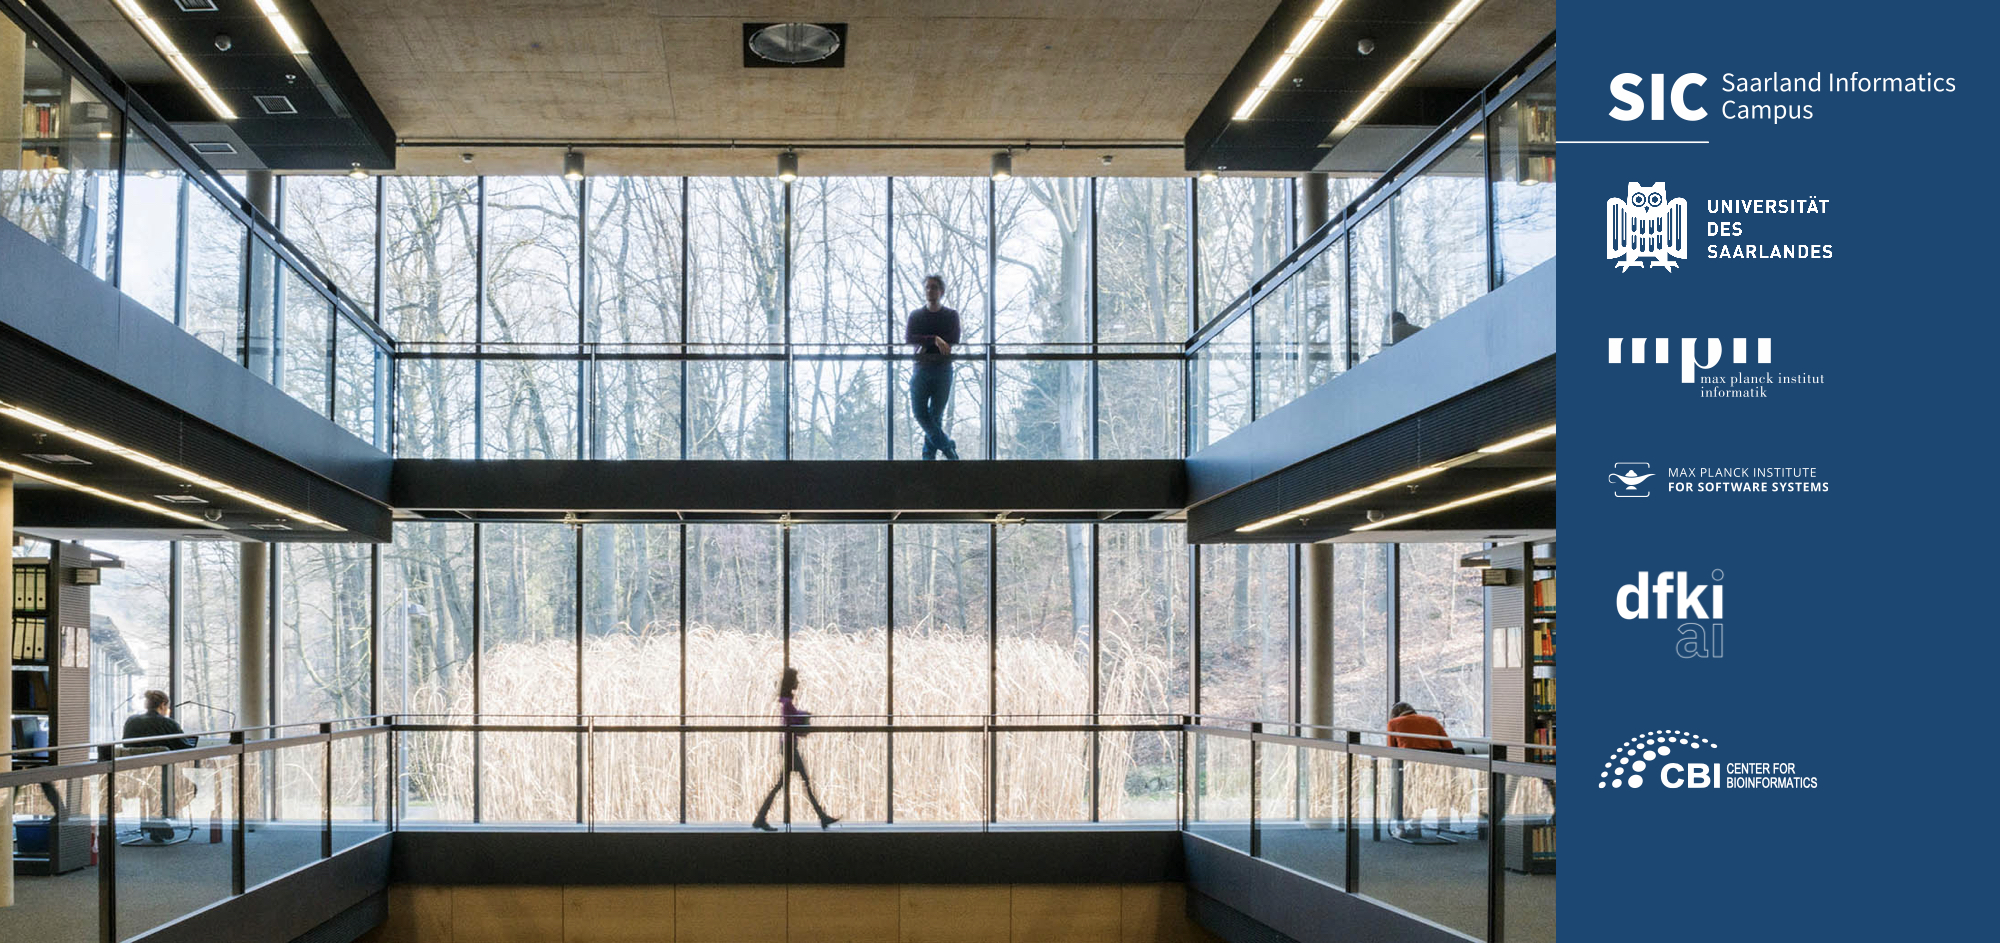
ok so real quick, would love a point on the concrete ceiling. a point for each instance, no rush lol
(1098, 72)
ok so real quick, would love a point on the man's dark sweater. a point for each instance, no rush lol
(154, 724)
(925, 324)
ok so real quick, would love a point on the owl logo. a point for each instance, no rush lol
(1645, 225)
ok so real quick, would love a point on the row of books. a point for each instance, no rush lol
(1538, 169)
(1542, 841)
(40, 119)
(1544, 694)
(1544, 734)
(31, 588)
(1545, 595)
(1543, 643)
(1538, 123)
(31, 640)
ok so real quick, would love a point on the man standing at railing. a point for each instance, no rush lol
(933, 329)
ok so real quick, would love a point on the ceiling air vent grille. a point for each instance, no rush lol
(196, 6)
(795, 44)
(277, 105)
(213, 147)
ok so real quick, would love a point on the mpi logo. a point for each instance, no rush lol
(1673, 596)
(1650, 750)
(1739, 349)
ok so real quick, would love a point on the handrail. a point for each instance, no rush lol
(1209, 721)
(1340, 222)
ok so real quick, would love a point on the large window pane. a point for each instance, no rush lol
(1219, 384)
(304, 347)
(1246, 635)
(1042, 263)
(530, 408)
(942, 668)
(324, 668)
(215, 248)
(151, 226)
(205, 694)
(840, 261)
(839, 644)
(527, 666)
(1142, 620)
(1524, 179)
(1440, 636)
(429, 266)
(1142, 260)
(635, 260)
(735, 633)
(638, 406)
(736, 408)
(1368, 256)
(1299, 328)
(331, 218)
(1043, 669)
(1245, 229)
(736, 266)
(62, 187)
(941, 228)
(1441, 236)
(359, 387)
(839, 408)
(631, 619)
(128, 635)
(426, 625)
(436, 407)
(1042, 408)
(1361, 635)
(531, 260)
(1139, 410)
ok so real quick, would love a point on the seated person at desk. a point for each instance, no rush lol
(1404, 719)
(156, 721)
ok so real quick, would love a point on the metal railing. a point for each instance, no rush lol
(1324, 802)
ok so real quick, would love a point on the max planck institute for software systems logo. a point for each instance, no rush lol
(1628, 479)
(1645, 225)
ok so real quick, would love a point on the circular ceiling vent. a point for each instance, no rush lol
(794, 43)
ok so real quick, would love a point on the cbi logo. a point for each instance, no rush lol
(1702, 639)
(1739, 352)
(1650, 750)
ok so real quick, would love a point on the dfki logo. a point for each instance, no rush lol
(1697, 639)
(1646, 225)
(1650, 749)
(1628, 477)
(1739, 350)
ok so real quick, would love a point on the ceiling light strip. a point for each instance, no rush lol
(39, 475)
(1297, 47)
(195, 478)
(286, 34)
(164, 45)
(1403, 479)
(1462, 502)
(1430, 43)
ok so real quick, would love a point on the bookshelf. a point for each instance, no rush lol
(49, 649)
(1521, 660)
(1530, 147)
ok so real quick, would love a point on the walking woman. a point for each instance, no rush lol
(791, 716)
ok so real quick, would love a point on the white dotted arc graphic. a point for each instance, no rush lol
(1634, 755)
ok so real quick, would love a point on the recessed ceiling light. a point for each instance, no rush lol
(1431, 41)
(1461, 502)
(1402, 479)
(283, 27)
(55, 458)
(164, 44)
(98, 492)
(1300, 40)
